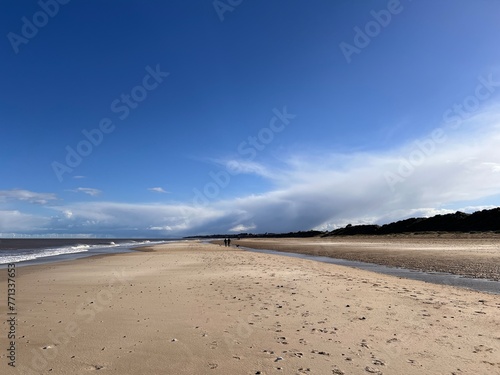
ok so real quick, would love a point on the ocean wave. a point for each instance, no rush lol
(23, 255)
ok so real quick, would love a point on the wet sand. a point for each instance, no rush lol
(471, 255)
(192, 308)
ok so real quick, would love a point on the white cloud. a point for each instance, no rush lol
(166, 228)
(27, 196)
(237, 166)
(112, 217)
(16, 221)
(90, 191)
(158, 190)
(240, 228)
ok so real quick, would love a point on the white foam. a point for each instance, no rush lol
(22, 255)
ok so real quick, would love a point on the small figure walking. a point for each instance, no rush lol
(225, 242)
(229, 242)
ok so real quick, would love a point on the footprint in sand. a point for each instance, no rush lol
(282, 340)
(372, 370)
(95, 367)
(481, 348)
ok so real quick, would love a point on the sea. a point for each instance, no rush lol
(25, 252)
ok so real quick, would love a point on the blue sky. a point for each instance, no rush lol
(153, 119)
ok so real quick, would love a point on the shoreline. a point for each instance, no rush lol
(473, 257)
(38, 243)
(95, 248)
(195, 308)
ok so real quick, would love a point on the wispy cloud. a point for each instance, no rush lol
(90, 191)
(27, 196)
(242, 166)
(158, 190)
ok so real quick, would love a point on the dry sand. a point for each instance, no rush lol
(192, 308)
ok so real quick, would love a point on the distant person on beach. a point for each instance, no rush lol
(228, 242)
(225, 242)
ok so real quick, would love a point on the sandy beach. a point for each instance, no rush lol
(473, 255)
(193, 308)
